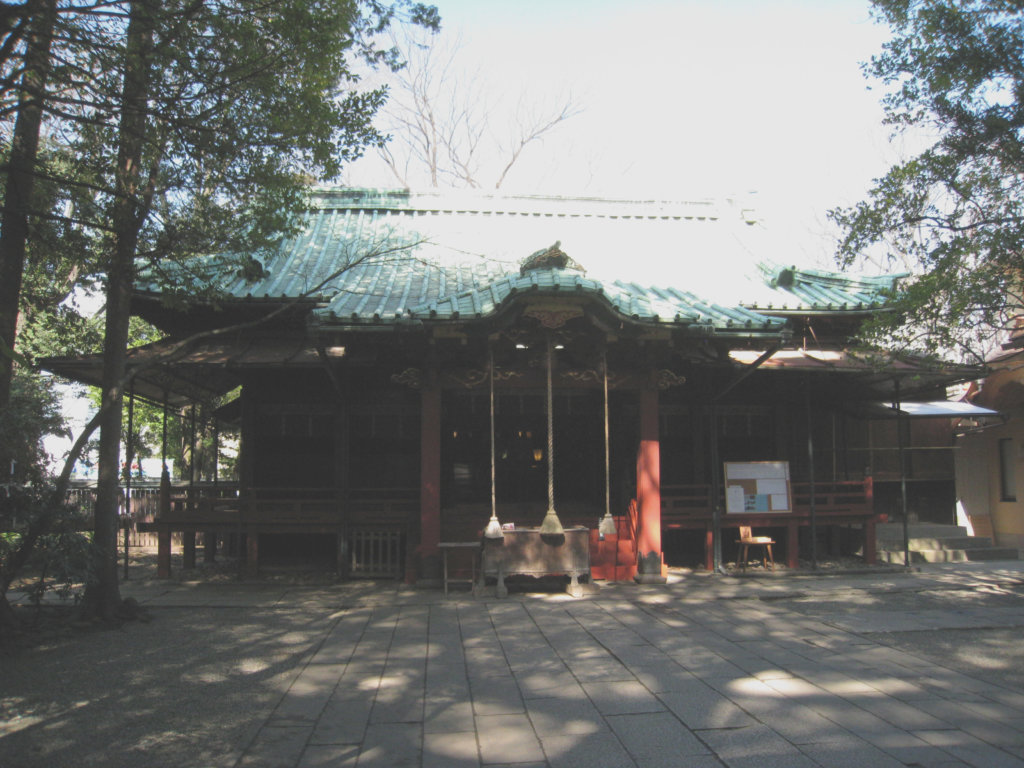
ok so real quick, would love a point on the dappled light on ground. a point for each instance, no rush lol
(718, 670)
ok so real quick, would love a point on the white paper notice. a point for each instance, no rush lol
(734, 499)
(780, 502)
(771, 486)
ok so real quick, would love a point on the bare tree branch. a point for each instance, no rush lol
(449, 128)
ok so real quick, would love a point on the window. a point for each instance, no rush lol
(1007, 470)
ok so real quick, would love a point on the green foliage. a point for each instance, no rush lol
(32, 414)
(45, 550)
(247, 103)
(59, 564)
(183, 129)
(39, 533)
(60, 259)
(955, 212)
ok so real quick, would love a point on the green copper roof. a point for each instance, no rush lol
(388, 257)
(810, 290)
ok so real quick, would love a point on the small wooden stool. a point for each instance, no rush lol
(447, 546)
(748, 540)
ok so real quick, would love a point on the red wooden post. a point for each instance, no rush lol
(648, 491)
(793, 544)
(163, 553)
(430, 481)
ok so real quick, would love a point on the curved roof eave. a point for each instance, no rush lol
(625, 303)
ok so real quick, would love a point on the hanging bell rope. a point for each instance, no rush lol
(607, 526)
(551, 525)
(493, 529)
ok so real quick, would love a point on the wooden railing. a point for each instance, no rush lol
(299, 508)
(835, 503)
(372, 524)
(837, 496)
(681, 502)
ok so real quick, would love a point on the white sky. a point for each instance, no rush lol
(691, 99)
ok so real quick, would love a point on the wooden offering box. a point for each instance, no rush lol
(528, 552)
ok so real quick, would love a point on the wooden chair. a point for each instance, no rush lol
(748, 540)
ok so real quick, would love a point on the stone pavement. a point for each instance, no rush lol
(705, 671)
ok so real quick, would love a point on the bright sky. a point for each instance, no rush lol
(687, 99)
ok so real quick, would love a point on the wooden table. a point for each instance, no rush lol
(448, 546)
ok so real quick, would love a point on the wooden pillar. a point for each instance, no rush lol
(648, 490)
(252, 553)
(870, 551)
(188, 555)
(209, 547)
(793, 545)
(430, 480)
(163, 553)
(163, 540)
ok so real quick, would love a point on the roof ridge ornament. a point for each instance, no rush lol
(552, 257)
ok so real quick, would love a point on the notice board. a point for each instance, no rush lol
(757, 487)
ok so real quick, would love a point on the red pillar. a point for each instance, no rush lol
(648, 491)
(430, 481)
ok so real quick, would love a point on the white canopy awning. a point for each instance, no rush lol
(951, 409)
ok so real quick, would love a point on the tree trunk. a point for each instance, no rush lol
(9, 623)
(102, 595)
(20, 183)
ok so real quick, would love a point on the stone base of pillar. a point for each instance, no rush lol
(649, 569)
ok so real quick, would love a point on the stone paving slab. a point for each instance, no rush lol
(714, 672)
(718, 700)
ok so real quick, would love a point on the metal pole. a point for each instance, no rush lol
(903, 475)
(810, 463)
(129, 449)
(716, 494)
(163, 438)
(216, 452)
(192, 451)
(165, 477)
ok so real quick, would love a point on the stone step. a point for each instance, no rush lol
(993, 553)
(953, 542)
(937, 543)
(949, 555)
(894, 557)
(894, 531)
